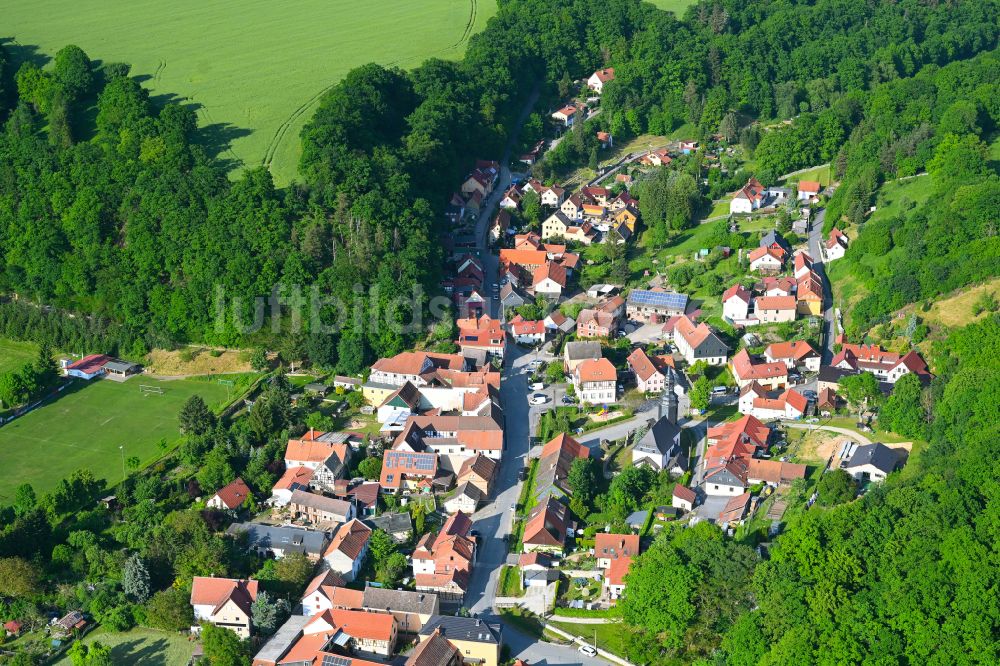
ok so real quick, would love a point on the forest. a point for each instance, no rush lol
(110, 212)
(121, 216)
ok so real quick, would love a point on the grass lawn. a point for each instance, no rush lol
(86, 424)
(254, 68)
(675, 6)
(609, 636)
(892, 196)
(142, 647)
(510, 582)
(15, 354)
(820, 174)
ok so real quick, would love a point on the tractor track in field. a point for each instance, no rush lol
(279, 134)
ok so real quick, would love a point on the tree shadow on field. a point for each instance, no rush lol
(217, 138)
(141, 653)
(22, 53)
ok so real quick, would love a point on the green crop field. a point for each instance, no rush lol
(84, 427)
(255, 68)
(15, 354)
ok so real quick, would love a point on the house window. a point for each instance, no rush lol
(716, 487)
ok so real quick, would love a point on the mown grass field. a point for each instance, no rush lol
(142, 647)
(675, 6)
(15, 354)
(84, 427)
(255, 68)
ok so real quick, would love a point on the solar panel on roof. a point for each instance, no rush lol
(645, 297)
(333, 660)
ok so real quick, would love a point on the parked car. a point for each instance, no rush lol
(539, 399)
(537, 386)
(566, 400)
(719, 390)
(588, 650)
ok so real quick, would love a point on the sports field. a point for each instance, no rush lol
(255, 68)
(84, 427)
(14, 354)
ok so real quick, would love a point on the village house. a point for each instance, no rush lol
(499, 226)
(776, 286)
(746, 369)
(611, 547)
(478, 641)
(466, 498)
(774, 472)
(591, 323)
(324, 592)
(650, 372)
(537, 569)
(294, 478)
(654, 306)
(698, 343)
(408, 470)
(595, 381)
(872, 462)
(546, 527)
(658, 157)
(683, 498)
(688, 146)
(748, 198)
(554, 463)
(572, 208)
(735, 510)
(454, 438)
(482, 333)
(576, 352)
(809, 294)
(480, 471)
(730, 446)
(224, 602)
(605, 139)
(348, 548)
(552, 196)
(797, 354)
(835, 246)
(556, 321)
(435, 651)
(774, 309)
(754, 401)
(360, 631)
(766, 260)
(808, 189)
(627, 216)
(319, 509)
(230, 497)
(560, 226)
(565, 115)
(736, 304)
(599, 78)
(511, 199)
(886, 366)
(802, 264)
(549, 280)
(527, 332)
(277, 541)
(326, 454)
(414, 367)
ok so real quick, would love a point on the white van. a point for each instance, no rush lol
(719, 390)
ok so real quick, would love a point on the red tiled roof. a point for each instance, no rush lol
(206, 591)
(294, 477)
(596, 370)
(350, 539)
(233, 494)
(775, 303)
(685, 493)
(745, 368)
(615, 573)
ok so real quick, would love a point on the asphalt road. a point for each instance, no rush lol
(815, 250)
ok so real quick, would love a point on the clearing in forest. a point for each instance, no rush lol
(255, 68)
